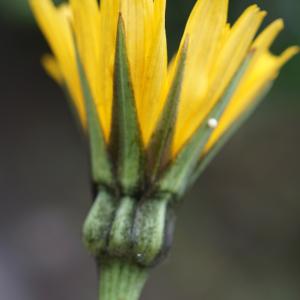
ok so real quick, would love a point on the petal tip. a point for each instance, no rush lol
(279, 23)
(289, 54)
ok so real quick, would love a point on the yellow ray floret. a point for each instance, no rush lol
(215, 52)
(86, 23)
(263, 72)
(51, 66)
(230, 52)
(55, 24)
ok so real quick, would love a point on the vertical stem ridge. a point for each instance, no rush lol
(121, 280)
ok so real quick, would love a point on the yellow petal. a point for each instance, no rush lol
(215, 52)
(109, 14)
(264, 69)
(137, 16)
(263, 72)
(220, 54)
(266, 38)
(86, 24)
(52, 68)
(144, 22)
(155, 72)
(234, 50)
(55, 24)
(204, 30)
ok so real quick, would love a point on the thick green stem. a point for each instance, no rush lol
(121, 280)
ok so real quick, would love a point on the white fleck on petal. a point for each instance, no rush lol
(213, 123)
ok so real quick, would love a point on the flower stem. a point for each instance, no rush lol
(121, 280)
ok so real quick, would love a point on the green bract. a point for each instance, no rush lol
(133, 214)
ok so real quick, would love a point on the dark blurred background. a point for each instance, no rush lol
(238, 231)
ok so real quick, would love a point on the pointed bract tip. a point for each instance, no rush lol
(120, 18)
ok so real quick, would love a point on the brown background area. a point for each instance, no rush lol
(238, 231)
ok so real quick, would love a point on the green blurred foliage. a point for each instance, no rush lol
(17, 11)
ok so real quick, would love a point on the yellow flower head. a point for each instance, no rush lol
(152, 126)
(214, 51)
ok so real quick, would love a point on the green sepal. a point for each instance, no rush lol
(205, 160)
(97, 226)
(120, 234)
(139, 231)
(149, 229)
(126, 140)
(101, 166)
(160, 142)
(176, 177)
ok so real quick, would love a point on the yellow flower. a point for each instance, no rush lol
(215, 52)
(152, 126)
